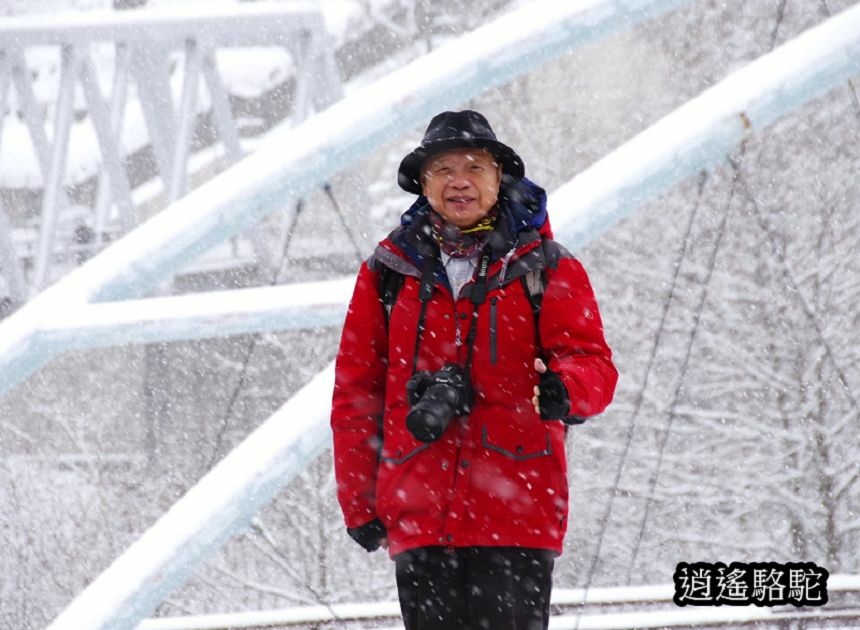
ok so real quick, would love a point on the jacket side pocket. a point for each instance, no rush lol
(397, 456)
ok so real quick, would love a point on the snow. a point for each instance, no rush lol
(247, 72)
(250, 72)
(201, 315)
(338, 15)
(224, 500)
(295, 161)
(306, 614)
(33, 29)
(20, 167)
(707, 128)
(631, 595)
(684, 618)
(695, 136)
(230, 495)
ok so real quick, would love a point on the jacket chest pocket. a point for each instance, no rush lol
(509, 325)
(494, 330)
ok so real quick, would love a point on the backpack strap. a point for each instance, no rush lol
(390, 283)
(534, 281)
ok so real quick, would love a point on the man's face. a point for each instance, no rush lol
(462, 185)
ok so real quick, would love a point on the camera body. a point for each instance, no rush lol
(436, 397)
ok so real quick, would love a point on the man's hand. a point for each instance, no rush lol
(551, 400)
(371, 535)
(540, 368)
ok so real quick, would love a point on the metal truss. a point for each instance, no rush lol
(137, 49)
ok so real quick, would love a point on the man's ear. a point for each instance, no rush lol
(498, 164)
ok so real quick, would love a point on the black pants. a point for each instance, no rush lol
(475, 588)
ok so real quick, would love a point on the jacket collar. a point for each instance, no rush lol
(522, 220)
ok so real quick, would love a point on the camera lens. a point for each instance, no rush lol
(436, 398)
(426, 426)
(428, 419)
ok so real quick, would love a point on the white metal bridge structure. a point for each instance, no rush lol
(99, 303)
(133, 51)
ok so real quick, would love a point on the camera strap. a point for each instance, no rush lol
(478, 295)
(425, 292)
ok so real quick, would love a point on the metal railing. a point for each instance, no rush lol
(649, 606)
(148, 50)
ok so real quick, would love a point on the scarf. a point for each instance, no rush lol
(462, 243)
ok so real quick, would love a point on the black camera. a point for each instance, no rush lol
(436, 398)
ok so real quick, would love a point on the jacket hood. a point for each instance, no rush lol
(522, 211)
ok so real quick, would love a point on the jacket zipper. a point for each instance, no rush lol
(493, 335)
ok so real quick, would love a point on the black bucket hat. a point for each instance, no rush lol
(456, 130)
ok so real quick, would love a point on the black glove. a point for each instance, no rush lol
(368, 535)
(554, 401)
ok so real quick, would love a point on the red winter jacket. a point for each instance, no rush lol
(497, 477)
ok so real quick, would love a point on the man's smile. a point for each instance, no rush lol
(460, 199)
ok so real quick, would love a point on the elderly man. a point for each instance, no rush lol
(471, 341)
